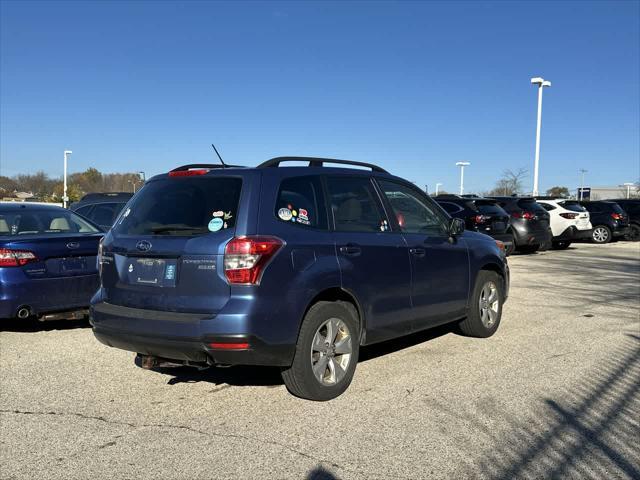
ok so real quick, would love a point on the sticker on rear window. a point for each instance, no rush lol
(215, 224)
(285, 214)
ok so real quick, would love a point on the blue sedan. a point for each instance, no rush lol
(48, 264)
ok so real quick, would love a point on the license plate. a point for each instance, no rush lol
(152, 271)
(73, 264)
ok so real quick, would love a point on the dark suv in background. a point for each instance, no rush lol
(631, 206)
(609, 220)
(530, 224)
(482, 215)
(102, 208)
(295, 267)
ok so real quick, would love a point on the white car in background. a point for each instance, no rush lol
(569, 221)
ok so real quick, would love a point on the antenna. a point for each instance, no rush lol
(224, 165)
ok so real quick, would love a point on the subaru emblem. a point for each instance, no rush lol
(143, 245)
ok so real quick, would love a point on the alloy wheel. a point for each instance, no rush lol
(331, 351)
(489, 304)
(600, 234)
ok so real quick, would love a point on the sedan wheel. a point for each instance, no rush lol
(331, 351)
(489, 304)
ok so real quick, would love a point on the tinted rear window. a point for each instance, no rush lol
(573, 206)
(182, 206)
(489, 208)
(42, 222)
(531, 206)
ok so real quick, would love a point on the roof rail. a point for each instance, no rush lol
(319, 162)
(203, 165)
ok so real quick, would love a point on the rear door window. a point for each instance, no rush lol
(300, 202)
(355, 205)
(182, 206)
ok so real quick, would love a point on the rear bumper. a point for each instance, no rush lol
(524, 236)
(182, 337)
(621, 231)
(572, 233)
(505, 238)
(45, 295)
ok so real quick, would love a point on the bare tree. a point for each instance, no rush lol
(510, 183)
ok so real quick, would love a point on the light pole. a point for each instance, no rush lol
(541, 82)
(462, 165)
(65, 199)
(582, 171)
(628, 185)
(437, 188)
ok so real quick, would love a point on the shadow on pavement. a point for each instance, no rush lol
(32, 325)
(592, 433)
(270, 376)
(320, 473)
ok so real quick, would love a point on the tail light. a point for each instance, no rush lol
(16, 258)
(480, 218)
(525, 215)
(245, 258)
(570, 216)
(617, 216)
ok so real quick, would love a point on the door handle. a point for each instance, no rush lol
(351, 249)
(418, 252)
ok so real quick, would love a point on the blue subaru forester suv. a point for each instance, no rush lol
(294, 266)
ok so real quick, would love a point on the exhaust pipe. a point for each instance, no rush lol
(24, 312)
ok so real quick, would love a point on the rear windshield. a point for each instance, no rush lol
(531, 206)
(617, 208)
(15, 223)
(489, 208)
(182, 206)
(573, 206)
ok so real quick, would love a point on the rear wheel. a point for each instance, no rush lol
(326, 353)
(561, 245)
(486, 306)
(634, 233)
(601, 234)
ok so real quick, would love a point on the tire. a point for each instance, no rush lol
(562, 245)
(634, 234)
(483, 319)
(528, 248)
(511, 248)
(601, 234)
(321, 319)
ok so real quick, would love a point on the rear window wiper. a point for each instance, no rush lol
(178, 229)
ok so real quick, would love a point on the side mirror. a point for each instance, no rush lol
(456, 227)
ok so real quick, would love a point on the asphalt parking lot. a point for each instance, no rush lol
(554, 394)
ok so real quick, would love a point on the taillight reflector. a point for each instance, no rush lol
(617, 216)
(188, 173)
(525, 215)
(16, 258)
(570, 216)
(229, 346)
(480, 218)
(245, 258)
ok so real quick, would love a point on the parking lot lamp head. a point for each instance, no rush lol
(541, 82)
(462, 165)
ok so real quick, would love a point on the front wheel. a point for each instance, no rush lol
(326, 353)
(601, 234)
(486, 306)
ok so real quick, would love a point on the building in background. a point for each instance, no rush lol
(604, 193)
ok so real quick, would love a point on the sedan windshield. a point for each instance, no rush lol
(46, 221)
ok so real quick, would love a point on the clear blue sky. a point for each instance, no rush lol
(413, 86)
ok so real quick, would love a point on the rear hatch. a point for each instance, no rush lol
(165, 251)
(620, 215)
(492, 218)
(583, 218)
(538, 220)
